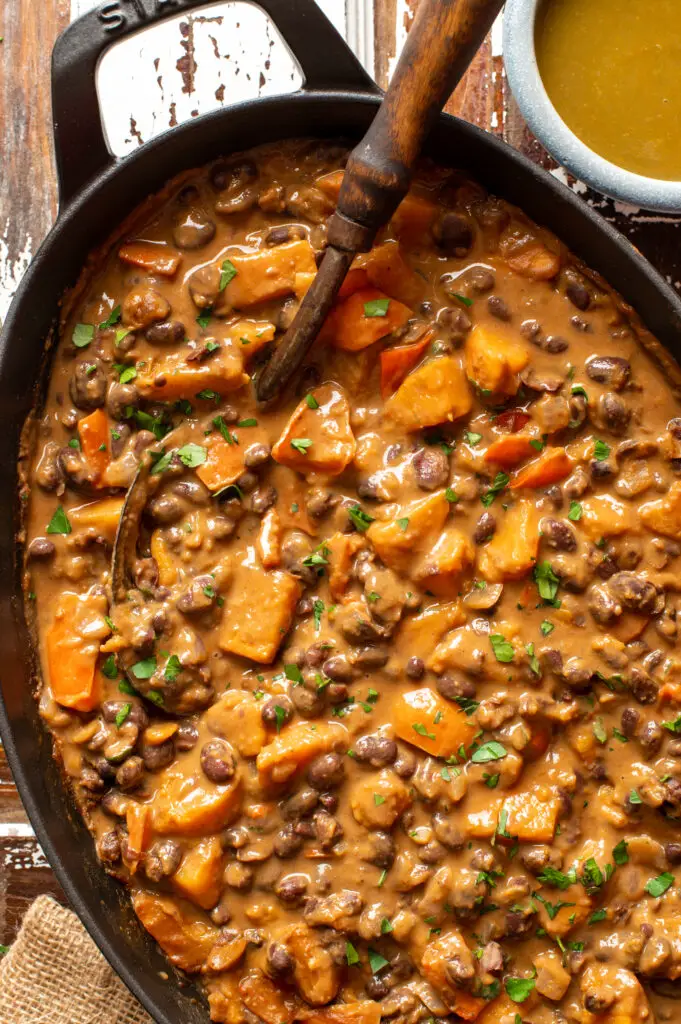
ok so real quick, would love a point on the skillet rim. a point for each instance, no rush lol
(551, 201)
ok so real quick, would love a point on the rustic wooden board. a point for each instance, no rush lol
(190, 68)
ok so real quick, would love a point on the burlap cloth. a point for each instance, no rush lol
(54, 974)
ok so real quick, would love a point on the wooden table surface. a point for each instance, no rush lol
(203, 68)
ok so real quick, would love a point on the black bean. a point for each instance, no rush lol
(338, 668)
(282, 233)
(130, 773)
(308, 702)
(119, 397)
(41, 547)
(167, 332)
(558, 534)
(164, 509)
(256, 455)
(447, 832)
(578, 295)
(629, 721)
(673, 852)
(287, 842)
(405, 764)
(218, 761)
(453, 234)
(415, 668)
(291, 888)
(162, 860)
(450, 687)
(369, 658)
(498, 308)
(643, 687)
(382, 849)
(611, 370)
(376, 988)
(614, 413)
(158, 755)
(326, 771)
(109, 847)
(634, 592)
(484, 528)
(263, 499)
(193, 229)
(455, 323)
(457, 972)
(197, 596)
(650, 738)
(376, 750)
(87, 385)
(236, 173)
(276, 718)
(279, 962)
(555, 344)
(301, 803)
(187, 736)
(432, 468)
(360, 631)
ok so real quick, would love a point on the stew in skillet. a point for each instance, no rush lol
(386, 720)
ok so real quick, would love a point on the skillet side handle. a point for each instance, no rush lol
(438, 50)
(81, 149)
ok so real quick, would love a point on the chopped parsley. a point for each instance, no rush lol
(227, 274)
(599, 731)
(546, 627)
(301, 444)
(317, 611)
(403, 524)
(376, 961)
(471, 438)
(422, 730)
(82, 335)
(601, 451)
(558, 879)
(659, 885)
(172, 669)
(109, 668)
(360, 519)
(575, 513)
(451, 496)
(500, 481)
(620, 853)
(112, 319)
(280, 716)
(467, 704)
(192, 455)
(547, 581)
(293, 673)
(122, 715)
(376, 307)
(311, 401)
(351, 954)
(491, 751)
(144, 669)
(503, 650)
(59, 523)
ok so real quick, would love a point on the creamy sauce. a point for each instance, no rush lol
(611, 71)
(375, 725)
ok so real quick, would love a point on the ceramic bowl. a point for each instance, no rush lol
(523, 75)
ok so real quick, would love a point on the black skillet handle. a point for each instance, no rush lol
(81, 149)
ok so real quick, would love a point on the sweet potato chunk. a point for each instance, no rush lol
(315, 974)
(436, 957)
(577, 909)
(483, 823)
(184, 937)
(366, 1011)
(553, 464)
(154, 256)
(412, 220)
(377, 801)
(493, 362)
(531, 818)
(262, 997)
(420, 633)
(664, 515)
(72, 646)
(267, 274)
(631, 1003)
(427, 721)
(396, 541)
(510, 450)
(512, 551)
(138, 822)
(527, 255)
(605, 516)
(199, 876)
(552, 978)
(400, 360)
(250, 335)
(187, 803)
(236, 717)
(295, 747)
(387, 270)
(436, 392)
(103, 516)
(341, 548)
(439, 570)
(224, 462)
(318, 437)
(173, 378)
(245, 630)
(351, 327)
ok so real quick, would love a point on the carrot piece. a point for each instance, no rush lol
(670, 692)
(318, 437)
(400, 360)
(387, 270)
(138, 821)
(553, 464)
(355, 280)
(72, 644)
(508, 451)
(93, 431)
(531, 818)
(422, 718)
(154, 256)
(224, 463)
(350, 328)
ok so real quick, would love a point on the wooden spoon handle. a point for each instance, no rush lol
(439, 48)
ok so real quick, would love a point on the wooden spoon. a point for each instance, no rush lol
(439, 48)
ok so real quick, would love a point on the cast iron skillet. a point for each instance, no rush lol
(96, 192)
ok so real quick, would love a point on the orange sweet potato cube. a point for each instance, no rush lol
(318, 437)
(421, 717)
(245, 629)
(199, 876)
(435, 392)
(396, 541)
(512, 551)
